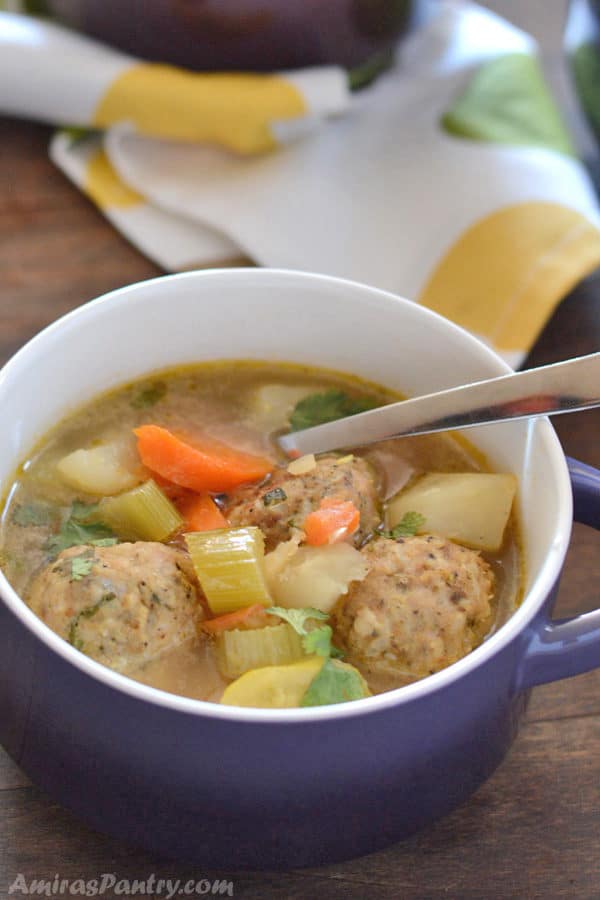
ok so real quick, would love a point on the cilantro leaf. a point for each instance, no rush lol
(87, 613)
(297, 618)
(274, 497)
(81, 511)
(149, 395)
(81, 566)
(336, 683)
(318, 641)
(314, 640)
(408, 525)
(9, 561)
(76, 531)
(316, 409)
(33, 514)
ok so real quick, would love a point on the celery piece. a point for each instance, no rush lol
(239, 651)
(143, 513)
(229, 566)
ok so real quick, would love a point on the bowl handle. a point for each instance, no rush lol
(564, 647)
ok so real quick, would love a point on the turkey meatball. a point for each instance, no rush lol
(284, 500)
(122, 605)
(424, 604)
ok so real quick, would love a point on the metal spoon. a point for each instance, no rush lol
(559, 388)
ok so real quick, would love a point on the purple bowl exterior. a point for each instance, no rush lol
(233, 794)
(586, 493)
(257, 35)
(562, 648)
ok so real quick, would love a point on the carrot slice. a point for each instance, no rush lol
(201, 513)
(175, 492)
(333, 521)
(249, 617)
(200, 463)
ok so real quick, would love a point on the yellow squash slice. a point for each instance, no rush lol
(274, 687)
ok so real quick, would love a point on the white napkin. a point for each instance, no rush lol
(491, 234)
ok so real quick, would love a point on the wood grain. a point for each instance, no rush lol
(530, 832)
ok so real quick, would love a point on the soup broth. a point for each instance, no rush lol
(52, 507)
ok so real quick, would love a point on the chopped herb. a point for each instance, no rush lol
(150, 395)
(73, 533)
(316, 409)
(86, 613)
(316, 640)
(336, 683)
(155, 598)
(297, 618)
(408, 526)
(272, 498)
(81, 566)
(82, 512)
(33, 514)
(75, 530)
(10, 561)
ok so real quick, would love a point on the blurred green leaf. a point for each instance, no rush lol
(507, 102)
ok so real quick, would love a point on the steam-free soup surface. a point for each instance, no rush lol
(161, 532)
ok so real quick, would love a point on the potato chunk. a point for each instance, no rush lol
(105, 469)
(471, 508)
(300, 577)
(272, 404)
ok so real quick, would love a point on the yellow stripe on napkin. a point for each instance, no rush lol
(104, 187)
(504, 276)
(230, 109)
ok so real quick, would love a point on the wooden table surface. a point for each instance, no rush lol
(532, 831)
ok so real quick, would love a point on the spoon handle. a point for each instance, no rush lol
(559, 388)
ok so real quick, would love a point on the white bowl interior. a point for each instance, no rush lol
(279, 315)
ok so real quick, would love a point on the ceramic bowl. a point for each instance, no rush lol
(255, 788)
